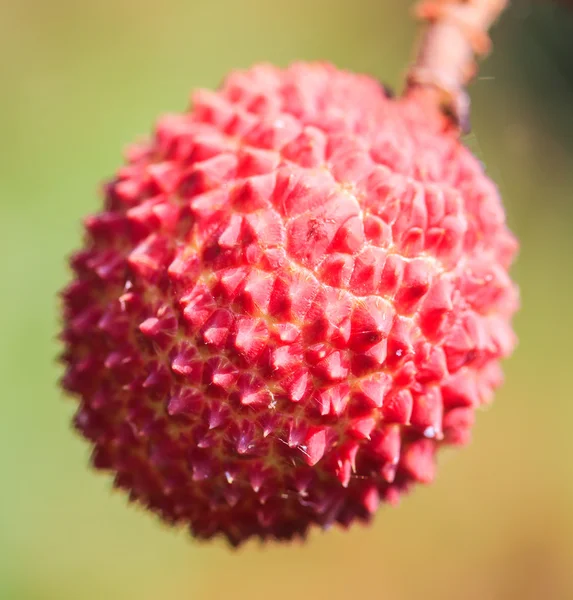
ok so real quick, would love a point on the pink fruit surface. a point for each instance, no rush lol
(295, 293)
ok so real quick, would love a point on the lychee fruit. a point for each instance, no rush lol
(295, 293)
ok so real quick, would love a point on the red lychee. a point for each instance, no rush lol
(296, 292)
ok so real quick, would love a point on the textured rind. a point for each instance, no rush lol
(295, 293)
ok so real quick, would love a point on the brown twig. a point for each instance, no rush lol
(456, 33)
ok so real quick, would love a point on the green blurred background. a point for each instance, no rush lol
(78, 80)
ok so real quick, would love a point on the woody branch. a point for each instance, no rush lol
(456, 32)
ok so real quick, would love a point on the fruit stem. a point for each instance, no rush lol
(456, 32)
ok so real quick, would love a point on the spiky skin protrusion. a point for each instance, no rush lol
(295, 294)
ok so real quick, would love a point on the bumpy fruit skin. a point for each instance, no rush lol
(295, 294)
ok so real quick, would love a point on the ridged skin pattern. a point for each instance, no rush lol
(295, 293)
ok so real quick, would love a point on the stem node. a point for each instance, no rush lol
(456, 33)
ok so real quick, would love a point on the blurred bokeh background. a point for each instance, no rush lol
(78, 80)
